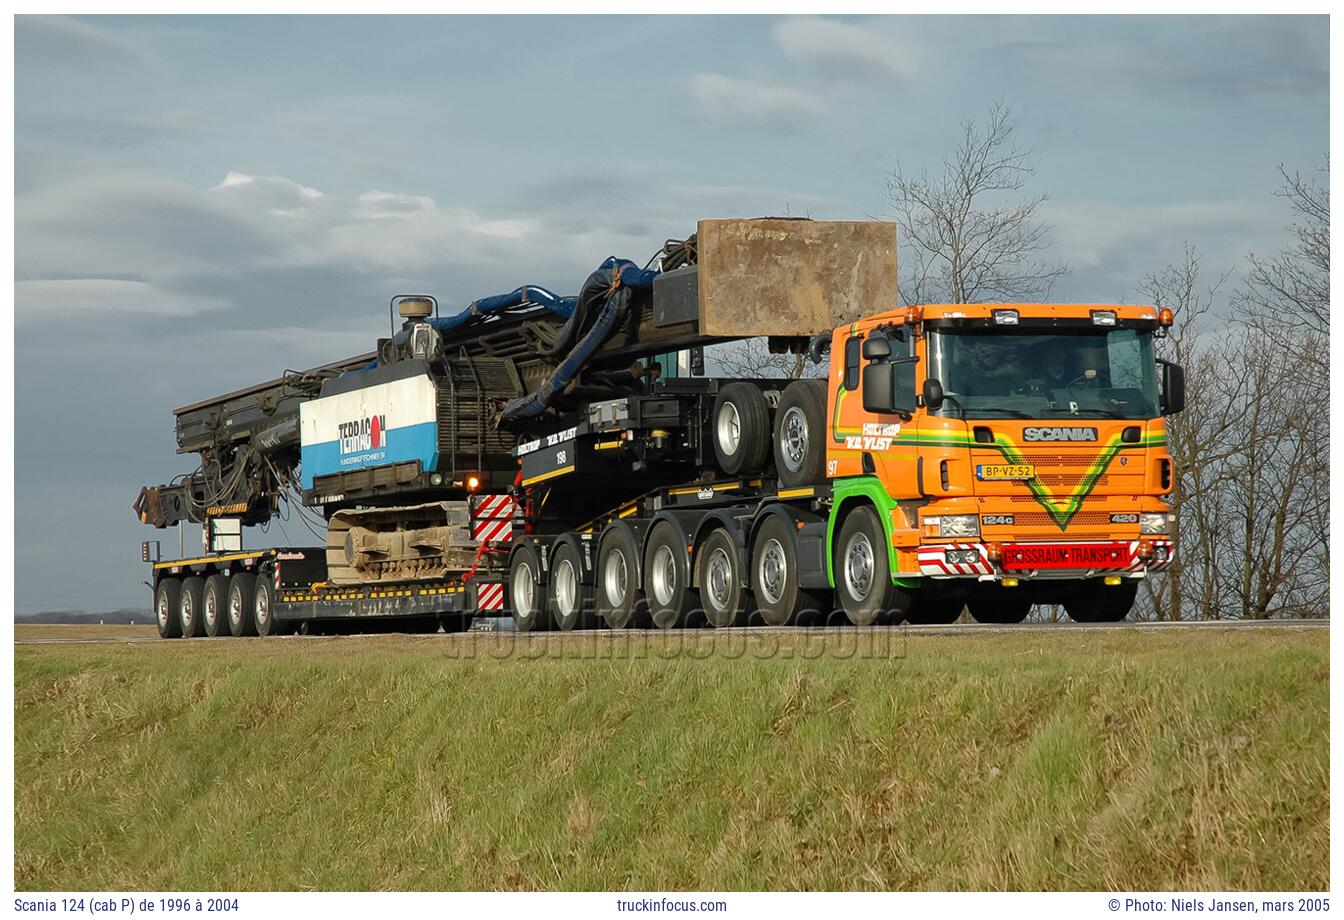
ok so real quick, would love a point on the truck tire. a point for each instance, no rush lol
(934, 611)
(862, 569)
(166, 597)
(1000, 609)
(618, 598)
(571, 601)
(264, 622)
(741, 428)
(718, 572)
(780, 600)
(800, 433)
(667, 577)
(190, 620)
(215, 606)
(242, 589)
(523, 596)
(1100, 604)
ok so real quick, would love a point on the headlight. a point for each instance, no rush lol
(958, 525)
(1154, 522)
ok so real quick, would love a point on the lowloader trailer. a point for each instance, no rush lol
(988, 457)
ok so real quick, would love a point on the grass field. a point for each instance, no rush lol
(1057, 760)
(83, 631)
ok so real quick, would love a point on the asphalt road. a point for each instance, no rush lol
(953, 630)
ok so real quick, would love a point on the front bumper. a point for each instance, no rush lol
(974, 561)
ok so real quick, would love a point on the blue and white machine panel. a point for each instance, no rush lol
(373, 426)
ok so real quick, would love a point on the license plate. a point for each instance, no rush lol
(1061, 556)
(1005, 471)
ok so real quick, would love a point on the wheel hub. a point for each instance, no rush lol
(774, 571)
(729, 429)
(521, 587)
(859, 566)
(615, 576)
(566, 588)
(664, 575)
(718, 580)
(793, 438)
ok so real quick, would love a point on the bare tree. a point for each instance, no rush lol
(753, 358)
(962, 241)
(1288, 294)
(1198, 439)
(1252, 447)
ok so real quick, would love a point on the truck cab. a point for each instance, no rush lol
(1012, 453)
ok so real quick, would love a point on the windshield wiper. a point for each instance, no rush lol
(1082, 413)
(1015, 413)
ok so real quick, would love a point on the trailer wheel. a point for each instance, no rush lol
(800, 433)
(718, 572)
(935, 611)
(741, 426)
(571, 601)
(242, 588)
(774, 576)
(215, 606)
(999, 609)
(455, 622)
(863, 572)
(166, 598)
(189, 603)
(618, 597)
(264, 622)
(667, 577)
(523, 594)
(1095, 603)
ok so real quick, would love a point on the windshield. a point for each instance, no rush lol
(995, 373)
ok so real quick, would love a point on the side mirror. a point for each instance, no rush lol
(933, 392)
(876, 348)
(1173, 387)
(889, 387)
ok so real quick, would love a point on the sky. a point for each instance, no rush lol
(203, 202)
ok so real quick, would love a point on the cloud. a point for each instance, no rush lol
(63, 38)
(843, 51)
(1236, 56)
(87, 299)
(730, 99)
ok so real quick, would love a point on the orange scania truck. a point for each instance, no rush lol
(999, 456)
(567, 462)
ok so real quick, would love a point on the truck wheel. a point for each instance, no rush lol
(741, 428)
(720, 579)
(190, 620)
(166, 598)
(242, 589)
(935, 611)
(1000, 609)
(800, 433)
(774, 575)
(523, 594)
(571, 601)
(215, 606)
(618, 598)
(667, 577)
(1097, 603)
(264, 622)
(863, 572)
